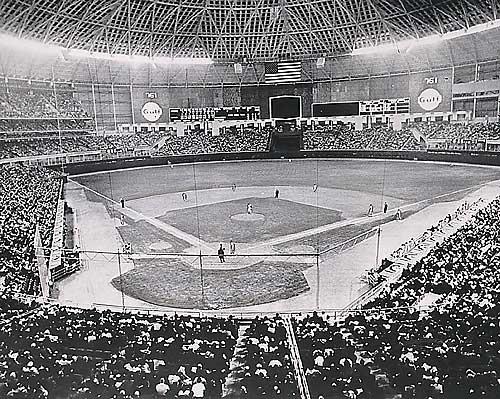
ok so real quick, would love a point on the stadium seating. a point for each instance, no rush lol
(74, 353)
(30, 113)
(415, 244)
(114, 144)
(25, 102)
(201, 142)
(231, 140)
(459, 136)
(448, 351)
(331, 366)
(195, 142)
(344, 137)
(12, 306)
(390, 348)
(13, 128)
(336, 137)
(28, 198)
(267, 367)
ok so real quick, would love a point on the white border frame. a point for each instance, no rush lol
(288, 96)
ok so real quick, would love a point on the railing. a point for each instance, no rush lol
(297, 361)
(56, 159)
(375, 292)
(343, 246)
(247, 314)
(336, 314)
(68, 158)
(56, 258)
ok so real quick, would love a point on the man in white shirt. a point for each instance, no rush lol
(198, 389)
(162, 388)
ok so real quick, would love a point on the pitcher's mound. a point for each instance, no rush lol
(160, 246)
(245, 217)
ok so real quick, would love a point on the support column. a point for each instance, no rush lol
(114, 105)
(95, 108)
(132, 103)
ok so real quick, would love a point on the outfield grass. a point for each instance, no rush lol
(412, 181)
(171, 283)
(281, 217)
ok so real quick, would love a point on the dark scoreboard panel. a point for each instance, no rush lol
(335, 109)
(214, 113)
(285, 107)
(385, 106)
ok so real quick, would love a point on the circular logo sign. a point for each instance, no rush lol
(430, 99)
(151, 111)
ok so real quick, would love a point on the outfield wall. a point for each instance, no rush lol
(466, 157)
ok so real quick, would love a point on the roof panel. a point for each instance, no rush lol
(227, 30)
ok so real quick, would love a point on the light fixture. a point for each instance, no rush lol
(408, 45)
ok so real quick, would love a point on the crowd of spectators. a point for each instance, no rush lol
(459, 131)
(345, 137)
(27, 112)
(449, 351)
(28, 198)
(460, 135)
(109, 144)
(331, 365)
(268, 370)
(230, 140)
(194, 142)
(324, 137)
(43, 127)
(12, 306)
(75, 138)
(455, 266)
(75, 353)
(386, 138)
(375, 275)
(26, 103)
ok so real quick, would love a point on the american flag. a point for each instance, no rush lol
(283, 72)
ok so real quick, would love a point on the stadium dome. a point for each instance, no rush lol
(249, 199)
(240, 29)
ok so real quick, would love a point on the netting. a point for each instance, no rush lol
(152, 240)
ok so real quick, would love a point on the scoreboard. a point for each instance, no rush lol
(388, 106)
(214, 113)
(347, 108)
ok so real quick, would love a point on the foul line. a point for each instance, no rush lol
(195, 241)
(198, 242)
(375, 217)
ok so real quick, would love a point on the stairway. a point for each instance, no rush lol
(159, 144)
(296, 360)
(418, 135)
(232, 385)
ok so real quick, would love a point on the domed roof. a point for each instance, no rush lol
(230, 30)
